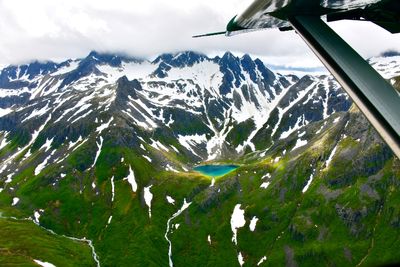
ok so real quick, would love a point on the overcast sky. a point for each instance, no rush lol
(62, 29)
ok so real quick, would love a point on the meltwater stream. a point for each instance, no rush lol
(176, 214)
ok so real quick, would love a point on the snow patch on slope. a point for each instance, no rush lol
(99, 146)
(328, 161)
(192, 141)
(15, 201)
(131, 179)
(148, 196)
(253, 223)
(237, 221)
(44, 263)
(308, 182)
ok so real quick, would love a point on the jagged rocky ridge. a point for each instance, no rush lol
(75, 134)
(212, 108)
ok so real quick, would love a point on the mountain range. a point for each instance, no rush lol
(97, 158)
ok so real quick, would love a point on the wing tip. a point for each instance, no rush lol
(209, 34)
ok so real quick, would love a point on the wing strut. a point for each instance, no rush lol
(373, 95)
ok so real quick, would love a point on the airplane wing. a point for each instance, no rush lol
(264, 14)
(374, 96)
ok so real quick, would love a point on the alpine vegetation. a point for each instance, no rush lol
(98, 159)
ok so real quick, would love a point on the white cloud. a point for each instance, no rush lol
(48, 29)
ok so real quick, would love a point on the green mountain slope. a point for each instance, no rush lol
(23, 242)
(315, 186)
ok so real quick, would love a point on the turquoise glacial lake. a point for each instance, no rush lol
(215, 170)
